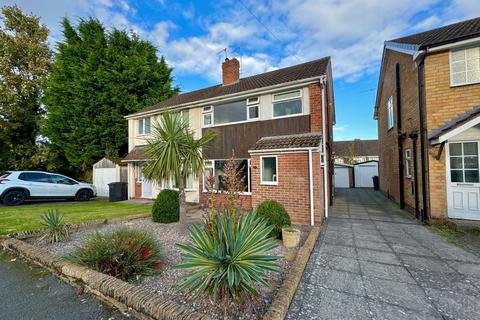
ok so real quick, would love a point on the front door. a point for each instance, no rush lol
(463, 181)
(146, 185)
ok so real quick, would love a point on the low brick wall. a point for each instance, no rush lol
(121, 294)
(279, 307)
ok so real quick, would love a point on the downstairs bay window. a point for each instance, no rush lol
(215, 168)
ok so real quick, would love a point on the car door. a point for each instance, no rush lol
(62, 186)
(37, 183)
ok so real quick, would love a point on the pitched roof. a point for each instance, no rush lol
(357, 147)
(302, 140)
(136, 154)
(454, 123)
(298, 72)
(443, 35)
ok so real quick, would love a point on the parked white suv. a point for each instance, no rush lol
(18, 186)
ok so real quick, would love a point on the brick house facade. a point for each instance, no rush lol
(417, 74)
(281, 110)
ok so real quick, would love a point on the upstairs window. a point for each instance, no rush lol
(465, 66)
(207, 116)
(253, 107)
(230, 112)
(390, 112)
(287, 104)
(144, 126)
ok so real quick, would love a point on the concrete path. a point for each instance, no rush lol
(372, 261)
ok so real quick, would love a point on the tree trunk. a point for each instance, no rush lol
(181, 200)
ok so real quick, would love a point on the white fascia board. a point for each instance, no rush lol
(457, 44)
(233, 96)
(410, 49)
(313, 149)
(444, 137)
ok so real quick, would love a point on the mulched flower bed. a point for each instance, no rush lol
(164, 284)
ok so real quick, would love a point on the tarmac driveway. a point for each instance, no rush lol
(373, 261)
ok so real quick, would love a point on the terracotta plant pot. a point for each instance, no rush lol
(291, 237)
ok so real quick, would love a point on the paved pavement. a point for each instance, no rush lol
(372, 261)
(29, 292)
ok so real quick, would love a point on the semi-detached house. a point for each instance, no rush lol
(279, 125)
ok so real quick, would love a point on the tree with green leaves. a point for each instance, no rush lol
(174, 153)
(99, 77)
(24, 64)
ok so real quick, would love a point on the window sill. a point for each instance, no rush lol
(269, 183)
(224, 192)
(463, 84)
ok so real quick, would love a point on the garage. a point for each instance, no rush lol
(343, 175)
(364, 172)
(106, 171)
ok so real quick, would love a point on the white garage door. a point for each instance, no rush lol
(101, 178)
(364, 174)
(342, 180)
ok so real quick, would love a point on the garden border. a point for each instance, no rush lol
(281, 302)
(124, 296)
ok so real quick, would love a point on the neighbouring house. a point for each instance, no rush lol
(279, 125)
(428, 112)
(354, 151)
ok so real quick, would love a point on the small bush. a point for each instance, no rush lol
(55, 229)
(166, 208)
(124, 254)
(275, 214)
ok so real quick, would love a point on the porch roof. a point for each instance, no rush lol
(293, 141)
(136, 154)
(454, 126)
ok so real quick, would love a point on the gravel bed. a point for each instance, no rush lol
(164, 284)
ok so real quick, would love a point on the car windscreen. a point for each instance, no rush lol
(4, 174)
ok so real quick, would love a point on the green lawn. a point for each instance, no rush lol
(27, 217)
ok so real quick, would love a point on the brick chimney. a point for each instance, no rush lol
(230, 71)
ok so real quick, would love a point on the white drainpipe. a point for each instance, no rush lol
(325, 160)
(310, 178)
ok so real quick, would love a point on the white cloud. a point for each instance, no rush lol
(428, 23)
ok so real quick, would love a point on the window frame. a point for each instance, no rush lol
(390, 115)
(143, 126)
(462, 157)
(408, 163)
(450, 62)
(269, 183)
(207, 111)
(212, 166)
(300, 97)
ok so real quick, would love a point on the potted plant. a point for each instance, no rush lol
(291, 237)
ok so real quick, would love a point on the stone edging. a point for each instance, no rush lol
(279, 307)
(121, 294)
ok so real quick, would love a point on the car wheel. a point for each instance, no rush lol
(84, 195)
(14, 198)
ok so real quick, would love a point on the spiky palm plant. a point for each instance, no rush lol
(231, 262)
(174, 153)
(55, 229)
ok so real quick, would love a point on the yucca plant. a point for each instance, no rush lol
(55, 229)
(231, 262)
(124, 253)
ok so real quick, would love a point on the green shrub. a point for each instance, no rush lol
(55, 230)
(124, 253)
(231, 260)
(166, 208)
(275, 214)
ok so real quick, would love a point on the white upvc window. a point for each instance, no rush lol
(253, 107)
(408, 163)
(390, 112)
(465, 66)
(173, 183)
(269, 170)
(144, 126)
(287, 104)
(207, 116)
(215, 168)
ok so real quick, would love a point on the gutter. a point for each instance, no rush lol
(326, 159)
(314, 149)
(263, 90)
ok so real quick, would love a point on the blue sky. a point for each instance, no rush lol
(266, 35)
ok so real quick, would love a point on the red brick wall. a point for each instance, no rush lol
(245, 201)
(293, 186)
(230, 71)
(315, 95)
